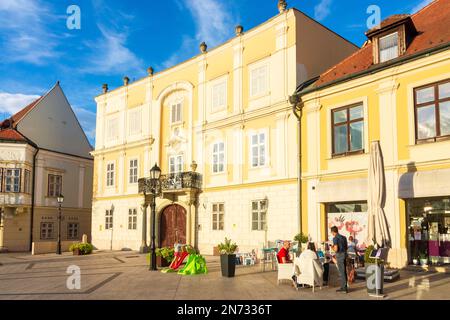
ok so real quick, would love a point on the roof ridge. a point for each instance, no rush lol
(426, 7)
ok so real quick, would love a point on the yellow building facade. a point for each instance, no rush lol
(403, 102)
(222, 117)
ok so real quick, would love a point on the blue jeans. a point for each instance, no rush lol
(341, 257)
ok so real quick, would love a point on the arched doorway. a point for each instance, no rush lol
(172, 227)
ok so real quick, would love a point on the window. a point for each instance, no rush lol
(218, 157)
(47, 230)
(175, 113)
(54, 185)
(218, 214)
(259, 215)
(133, 171)
(388, 47)
(1, 179)
(26, 181)
(432, 105)
(175, 164)
(108, 219)
(219, 96)
(110, 175)
(132, 219)
(112, 129)
(259, 80)
(258, 147)
(72, 231)
(12, 180)
(350, 218)
(348, 130)
(135, 122)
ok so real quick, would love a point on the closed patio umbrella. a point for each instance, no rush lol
(377, 226)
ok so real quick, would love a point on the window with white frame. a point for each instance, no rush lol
(47, 230)
(135, 122)
(54, 185)
(258, 149)
(259, 80)
(175, 112)
(108, 219)
(112, 129)
(389, 47)
(12, 180)
(110, 174)
(219, 95)
(175, 164)
(218, 157)
(73, 231)
(133, 171)
(218, 216)
(259, 215)
(132, 219)
(26, 181)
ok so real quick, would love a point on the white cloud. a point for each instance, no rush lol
(419, 6)
(110, 54)
(25, 32)
(322, 10)
(87, 120)
(214, 24)
(10, 103)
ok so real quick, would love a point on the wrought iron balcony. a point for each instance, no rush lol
(173, 182)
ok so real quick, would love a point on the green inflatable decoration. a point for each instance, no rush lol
(195, 264)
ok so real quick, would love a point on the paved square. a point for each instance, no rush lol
(125, 276)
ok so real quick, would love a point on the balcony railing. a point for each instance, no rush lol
(174, 182)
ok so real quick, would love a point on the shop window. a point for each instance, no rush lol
(350, 219)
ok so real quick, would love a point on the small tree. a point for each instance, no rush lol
(227, 247)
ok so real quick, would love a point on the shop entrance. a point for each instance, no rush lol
(429, 230)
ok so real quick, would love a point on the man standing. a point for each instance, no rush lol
(340, 247)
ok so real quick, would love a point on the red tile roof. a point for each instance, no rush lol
(11, 135)
(433, 27)
(389, 21)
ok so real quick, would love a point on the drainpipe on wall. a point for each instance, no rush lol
(297, 107)
(33, 191)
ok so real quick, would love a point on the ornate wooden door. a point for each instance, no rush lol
(172, 227)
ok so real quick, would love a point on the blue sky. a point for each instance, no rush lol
(119, 38)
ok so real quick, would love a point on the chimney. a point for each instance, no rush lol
(282, 5)
(105, 88)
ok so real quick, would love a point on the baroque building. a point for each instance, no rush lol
(222, 130)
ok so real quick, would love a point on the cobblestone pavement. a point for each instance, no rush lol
(125, 276)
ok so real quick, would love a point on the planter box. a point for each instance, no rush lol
(77, 252)
(161, 262)
(375, 279)
(228, 265)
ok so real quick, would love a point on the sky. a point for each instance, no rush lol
(118, 38)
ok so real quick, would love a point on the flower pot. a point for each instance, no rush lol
(423, 262)
(415, 262)
(374, 279)
(228, 265)
(77, 252)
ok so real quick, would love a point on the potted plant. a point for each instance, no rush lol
(416, 261)
(228, 258)
(302, 239)
(374, 273)
(423, 259)
(164, 256)
(81, 249)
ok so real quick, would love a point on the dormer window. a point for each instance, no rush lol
(388, 46)
(391, 38)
